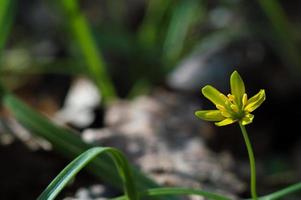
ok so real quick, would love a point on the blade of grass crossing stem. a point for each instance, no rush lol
(7, 13)
(283, 31)
(68, 143)
(178, 191)
(84, 38)
(67, 174)
(184, 15)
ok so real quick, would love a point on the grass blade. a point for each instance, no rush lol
(68, 143)
(70, 171)
(284, 32)
(178, 191)
(149, 30)
(7, 13)
(283, 192)
(185, 14)
(83, 36)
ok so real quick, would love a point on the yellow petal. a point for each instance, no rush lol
(247, 119)
(210, 115)
(225, 122)
(237, 87)
(255, 101)
(214, 95)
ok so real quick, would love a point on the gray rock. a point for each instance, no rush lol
(213, 61)
(162, 137)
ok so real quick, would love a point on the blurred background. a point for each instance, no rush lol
(128, 74)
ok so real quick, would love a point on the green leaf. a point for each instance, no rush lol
(184, 16)
(283, 192)
(283, 35)
(149, 30)
(7, 13)
(210, 115)
(178, 191)
(237, 87)
(255, 101)
(214, 95)
(69, 143)
(82, 34)
(70, 171)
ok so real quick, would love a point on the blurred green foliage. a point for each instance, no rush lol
(7, 12)
(82, 34)
(127, 48)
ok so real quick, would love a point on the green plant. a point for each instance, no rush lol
(159, 12)
(67, 174)
(67, 142)
(232, 108)
(81, 161)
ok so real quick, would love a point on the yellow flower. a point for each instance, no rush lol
(235, 107)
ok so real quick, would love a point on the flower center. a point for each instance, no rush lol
(233, 108)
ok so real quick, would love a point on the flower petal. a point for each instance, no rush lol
(255, 101)
(247, 119)
(214, 95)
(225, 122)
(237, 87)
(210, 115)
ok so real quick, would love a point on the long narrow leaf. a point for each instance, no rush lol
(66, 175)
(284, 32)
(149, 30)
(178, 191)
(184, 15)
(283, 192)
(83, 36)
(7, 13)
(68, 143)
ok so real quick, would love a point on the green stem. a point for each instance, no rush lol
(252, 161)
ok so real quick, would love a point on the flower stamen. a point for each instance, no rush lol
(234, 108)
(244, 100)
(220, 107)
